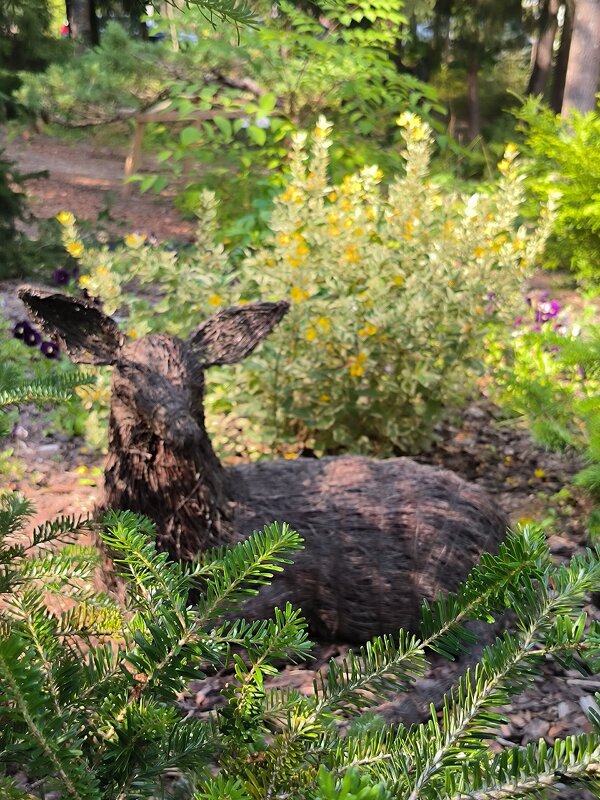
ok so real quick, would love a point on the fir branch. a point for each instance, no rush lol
(237, 11)
(233, 574)
(61, 529)
(23, 686)
(15, 510)
(488, 589)
(523, 772)
(52, 388)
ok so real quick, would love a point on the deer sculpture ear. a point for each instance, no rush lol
(232, 334)
(88, 335)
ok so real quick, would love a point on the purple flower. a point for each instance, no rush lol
(489, 309)
(61, 276)
(581, 372)
(547, 311)
(492, 297)
(517, 321)
(50, 350)
(32, 338)
(21, 329)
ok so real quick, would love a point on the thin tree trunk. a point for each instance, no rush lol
(80, 20)
(473, 99)
(544, 48)
(583, 70)
(562, 59)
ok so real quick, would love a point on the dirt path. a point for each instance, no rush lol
(87, 179)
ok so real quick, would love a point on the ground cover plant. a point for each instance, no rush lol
(546, 374)
(367, 359)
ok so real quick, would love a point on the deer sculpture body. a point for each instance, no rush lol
(380, 535)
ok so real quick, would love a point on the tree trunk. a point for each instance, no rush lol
(562, 59)
(544, 48)
(79, 14)
(583, 70)
(473, 98)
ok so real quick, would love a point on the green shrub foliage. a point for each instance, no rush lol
(565, 159)
(391, 291)
(548, 374)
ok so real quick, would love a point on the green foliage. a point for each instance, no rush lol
(97, 717)
(21, 255)
(25, 44)
(391, 294)
(273, 79)
(26, 376)
(551, 379)
(118, 75)
(564, 158)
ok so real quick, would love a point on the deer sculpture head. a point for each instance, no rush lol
(160, 461)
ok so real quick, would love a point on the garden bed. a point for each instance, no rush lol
(529, 483)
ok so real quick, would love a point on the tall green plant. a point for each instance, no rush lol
(564, 157)
(391, 294)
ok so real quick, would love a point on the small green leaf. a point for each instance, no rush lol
(258, 135)
(189, 135)
(267, 102)
(224, 125)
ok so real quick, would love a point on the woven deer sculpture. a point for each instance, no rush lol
(379, 535)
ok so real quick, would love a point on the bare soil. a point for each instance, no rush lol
(86, 179)
(477, 445)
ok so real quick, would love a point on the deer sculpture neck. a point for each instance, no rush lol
(159, 449)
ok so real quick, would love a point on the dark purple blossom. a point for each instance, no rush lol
(581, 372)
(492, 297)
(547, 311)
(21, 329)
(517, 321)
(32, 338)
(61, 276)
(50, 350)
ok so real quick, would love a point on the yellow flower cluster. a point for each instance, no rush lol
(399, 279)
(356, 365)
(135, 240)
(75, 249)
(65, 218)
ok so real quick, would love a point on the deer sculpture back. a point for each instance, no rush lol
(380, 535)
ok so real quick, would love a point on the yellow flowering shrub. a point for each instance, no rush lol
(391, 293)
(407, 280)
